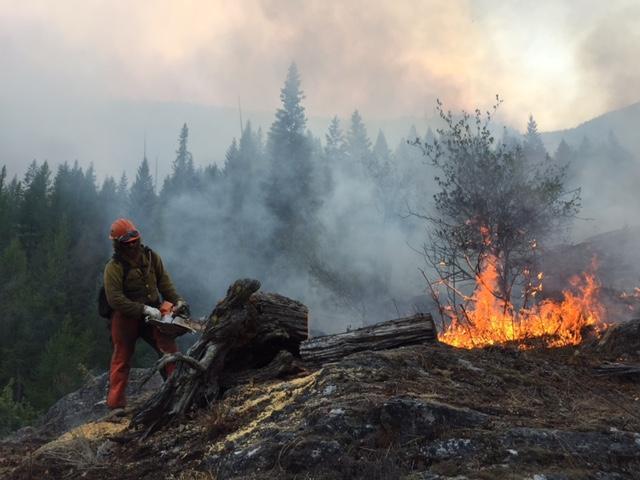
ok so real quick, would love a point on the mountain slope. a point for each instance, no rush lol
(625, 123)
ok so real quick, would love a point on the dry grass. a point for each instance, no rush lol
(77, 453)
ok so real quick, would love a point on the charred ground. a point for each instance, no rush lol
(417, 412)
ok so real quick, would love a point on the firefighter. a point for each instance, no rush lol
(135, 283)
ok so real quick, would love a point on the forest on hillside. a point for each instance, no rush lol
(321, 219)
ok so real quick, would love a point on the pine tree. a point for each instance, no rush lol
(183, 177)
(16, 327)
(358, 145)
(239, 168)
(108, 197)
(564, 153)
(385, 178)
(290, 119)
(211, 174)
(123, 186)
(381, 151)
(290, 192)
(429, 136)
(415, 179)
(34, 212)
(62, 365)
(142, 200)
(13, 414)
(231, 158)
(89, 199)
(14, 193)
(122, 194)
(4, 208)
(335, 146)
(532, 146)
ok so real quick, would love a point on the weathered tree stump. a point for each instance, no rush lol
(381, 336)
(246, 330)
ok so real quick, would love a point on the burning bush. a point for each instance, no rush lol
(497, 202)
(493, 320)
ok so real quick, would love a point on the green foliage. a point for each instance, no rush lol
(242, 169)
(291, 193)
(143, 199)
(13, 414)
(335, 144)
(62, 366)
(358, 143)
(290, 117)
(54, 240)
(183, 177)
(532, 146)
(494, 202)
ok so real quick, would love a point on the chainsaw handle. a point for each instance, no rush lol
(165, 308)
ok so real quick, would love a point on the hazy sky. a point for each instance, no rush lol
(563, 61)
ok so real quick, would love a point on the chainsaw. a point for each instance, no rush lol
(175, 323)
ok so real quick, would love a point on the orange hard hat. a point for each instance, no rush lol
(124, 231)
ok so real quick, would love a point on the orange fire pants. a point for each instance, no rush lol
(124, 334)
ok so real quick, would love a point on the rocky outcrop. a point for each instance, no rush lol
(416, 412)
(85, 405)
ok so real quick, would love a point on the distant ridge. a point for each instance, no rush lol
(624, 123)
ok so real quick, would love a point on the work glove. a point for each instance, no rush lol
(181, 308)
(151, 313)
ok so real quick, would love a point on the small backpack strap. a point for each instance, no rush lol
(150, 256)
(126, 266)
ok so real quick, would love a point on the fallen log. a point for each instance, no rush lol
(617, 369)
(245, 330)
(391, 334)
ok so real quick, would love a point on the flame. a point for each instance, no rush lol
(493, 321)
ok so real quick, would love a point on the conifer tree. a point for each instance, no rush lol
(231, 158)
(183, 177)
(290, 192)
(358, 145)
(532, 145)
(14, 194)
(122, 194)
(211, 174)
(335, 146)
(108, 198)
(62, 365)
(4, 206)
(142, 199)
(123, 186)
(15, 326)
(239, 168)
(381, 155)
(34, 212)
(564, 153)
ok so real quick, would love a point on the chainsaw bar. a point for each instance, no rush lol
(176, 326)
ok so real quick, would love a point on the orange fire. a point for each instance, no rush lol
(492, 321)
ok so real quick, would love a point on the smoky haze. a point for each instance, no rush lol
(86, 80)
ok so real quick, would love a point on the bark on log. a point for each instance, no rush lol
(391, 334)
(245, 330)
